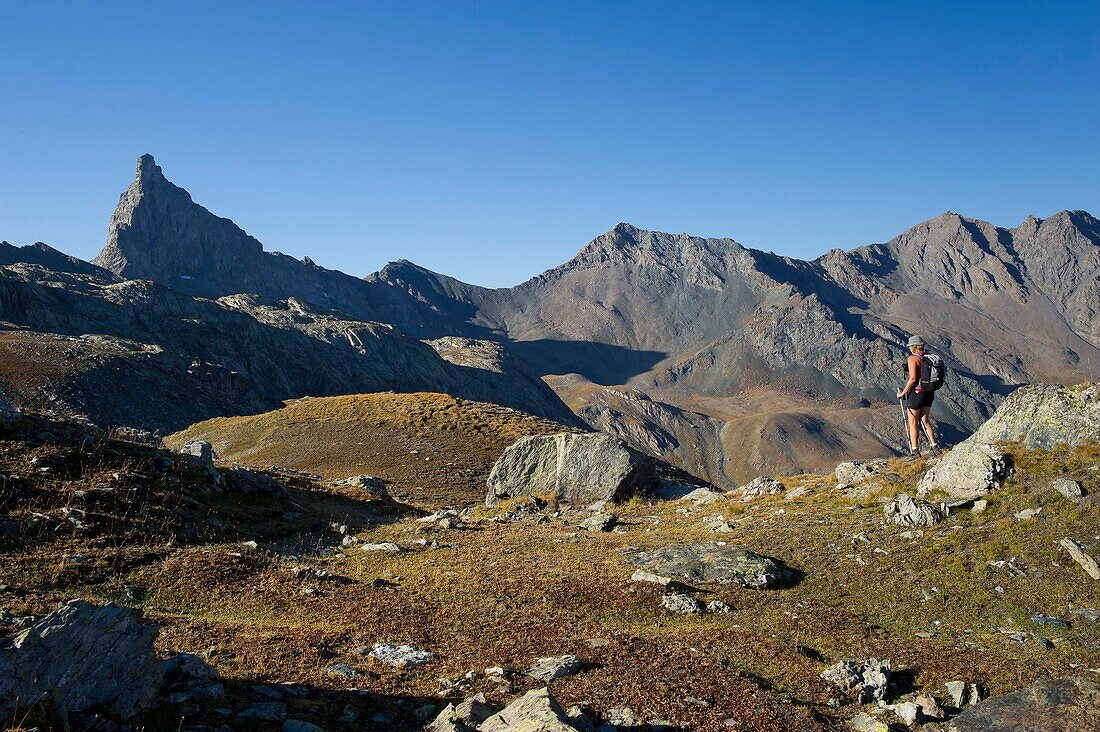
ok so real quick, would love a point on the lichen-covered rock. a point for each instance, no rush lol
(1067, 704)
(1045, 415)
(535, 711)
(1071, 490)
(908, 511)
(580, 468)
(82, 657)
(868, 680)
(681, 604)
(711, 562)
(760, 486)
(968, 470)
(854, 473)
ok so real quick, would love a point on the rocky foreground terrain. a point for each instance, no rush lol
(561, 584)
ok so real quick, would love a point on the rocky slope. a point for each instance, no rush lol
(136, 353)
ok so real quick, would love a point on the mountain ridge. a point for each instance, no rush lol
(694, 322)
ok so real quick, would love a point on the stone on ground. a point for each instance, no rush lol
(1070, 489)
(1067, 704)
(711, 562)
(908, 511)
(83, 657)
(681, 604)
(535, 711)
(867, 680)
(580, 468)
(554, 667)
(203, 452)
(400, 656)
(702, 496)
(600, 522)
(963, 694)
(854, 473)
(1083, 558)
(968, 470)
(761, 486)
(864, 722)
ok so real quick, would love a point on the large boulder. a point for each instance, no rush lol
(82, 657)
(1068, 704)
(535, 711)
(1045, 415)
(711, 562)
(581, 468)
(969, 470)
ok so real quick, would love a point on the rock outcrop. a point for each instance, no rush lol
(82, 657)
(183, 359)
(580, 468)
(1067, 704)
(711, 562)
(1045, 415)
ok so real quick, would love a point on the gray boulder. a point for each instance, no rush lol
(535, 711)
(854, 473)
(601, 521)
(554, 667)
(868, 680)
(1067, 704)
(580, 468)
(1045, 415)
(908, 511)
(82, 657)
(760, 486)
(203, 452)
(968, 470)
(1070, 489)
(711, 562)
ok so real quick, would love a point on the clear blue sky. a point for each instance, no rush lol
(492, 140)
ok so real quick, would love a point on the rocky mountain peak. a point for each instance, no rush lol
(148, 170)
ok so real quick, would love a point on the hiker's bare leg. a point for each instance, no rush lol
(928, 425)
(912, 417)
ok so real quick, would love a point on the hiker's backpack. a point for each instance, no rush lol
(932, 372)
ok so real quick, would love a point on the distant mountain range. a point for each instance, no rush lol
(723, 359)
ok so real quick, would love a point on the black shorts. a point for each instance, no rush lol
(920, 399)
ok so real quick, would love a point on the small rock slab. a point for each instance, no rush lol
(400, 656)
(711, 562)
(554, 667)
(1067, 704)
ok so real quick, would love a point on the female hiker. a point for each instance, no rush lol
(924, 373)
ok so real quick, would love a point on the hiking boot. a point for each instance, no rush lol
(934, 450)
